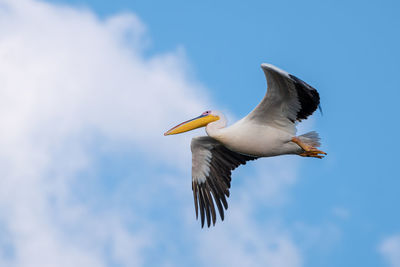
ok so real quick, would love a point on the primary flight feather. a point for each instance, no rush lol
(269, 130)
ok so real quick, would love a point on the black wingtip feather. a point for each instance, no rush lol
(216, 186)
(210, 202)
(320, 109)
(195, 190)
(208, 212)
(201, 202)
(307, 96)
(217, 197)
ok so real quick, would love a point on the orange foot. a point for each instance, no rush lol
(309, 151)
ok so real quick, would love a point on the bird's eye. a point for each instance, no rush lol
(206, 112)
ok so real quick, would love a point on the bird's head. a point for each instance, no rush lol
(200, 121)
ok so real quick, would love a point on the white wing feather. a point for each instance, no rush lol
(287, 99)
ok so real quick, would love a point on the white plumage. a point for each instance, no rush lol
(269, 130)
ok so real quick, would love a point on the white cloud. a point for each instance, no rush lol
(243, 242)
(67, 78)
(321, 237)
(74, 89)
(390, 250)
(341, 212)
(273, 178)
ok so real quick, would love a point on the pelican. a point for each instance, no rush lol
(269, 130)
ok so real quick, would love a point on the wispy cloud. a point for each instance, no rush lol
(390, 250)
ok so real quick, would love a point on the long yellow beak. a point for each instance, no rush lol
(192, 124)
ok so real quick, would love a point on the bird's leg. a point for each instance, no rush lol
(309, 151)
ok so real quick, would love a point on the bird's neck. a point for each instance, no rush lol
(214, 128)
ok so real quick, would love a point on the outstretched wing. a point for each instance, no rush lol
(212, 164)
(288, 99)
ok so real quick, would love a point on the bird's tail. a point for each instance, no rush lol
(311, 139)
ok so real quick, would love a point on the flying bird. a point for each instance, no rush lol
(269, 130)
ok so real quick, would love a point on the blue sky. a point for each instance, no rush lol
(117, 174)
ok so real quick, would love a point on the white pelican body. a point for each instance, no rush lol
(255, 139)
(269, 130)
